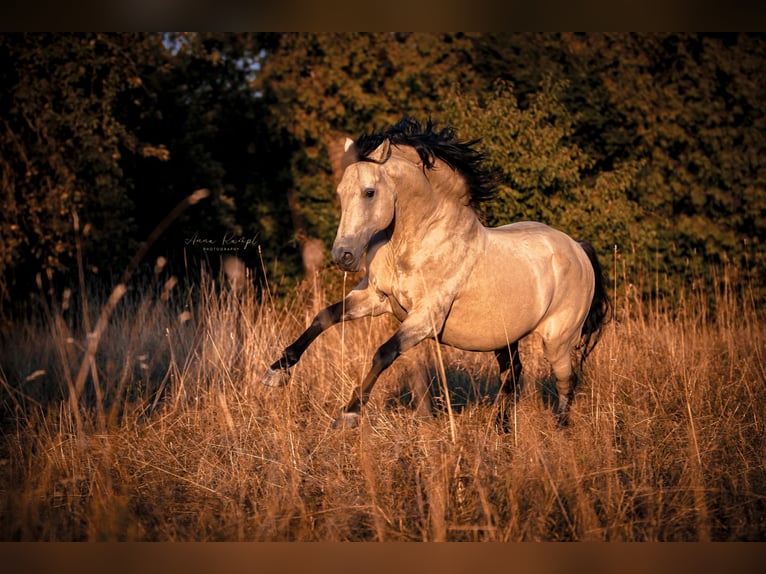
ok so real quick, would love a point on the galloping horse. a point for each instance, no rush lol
(407, 198)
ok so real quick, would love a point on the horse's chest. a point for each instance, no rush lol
(387, 286)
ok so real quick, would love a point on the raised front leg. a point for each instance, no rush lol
(361, 302)
(414, 329)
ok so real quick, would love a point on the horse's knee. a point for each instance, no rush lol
(386, 354)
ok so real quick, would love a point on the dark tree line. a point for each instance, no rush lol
(653, 143)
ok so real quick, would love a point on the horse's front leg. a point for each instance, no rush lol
(361, 302)
(414, 329)
(510, 383)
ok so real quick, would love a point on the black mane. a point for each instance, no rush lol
(432, 144)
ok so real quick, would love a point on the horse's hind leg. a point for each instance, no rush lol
(560, 358)
(418, 381)
(565, 387)
(510, 382)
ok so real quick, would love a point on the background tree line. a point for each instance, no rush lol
(653, 143)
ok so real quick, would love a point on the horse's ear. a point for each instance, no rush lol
(349, 142)
(382, 152)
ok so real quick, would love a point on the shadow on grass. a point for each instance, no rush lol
(465, 388)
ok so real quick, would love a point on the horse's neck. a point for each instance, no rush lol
(432, 211)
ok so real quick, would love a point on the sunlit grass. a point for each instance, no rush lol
(174, 438)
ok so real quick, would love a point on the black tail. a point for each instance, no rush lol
(600, 307)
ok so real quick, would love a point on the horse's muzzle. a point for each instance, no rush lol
(346, 259)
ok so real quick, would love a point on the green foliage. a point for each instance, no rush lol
(696, 110)
(652, 144)
(675, 121)
(544, 169)
(206, 114)
(528, 147)
(61, 142)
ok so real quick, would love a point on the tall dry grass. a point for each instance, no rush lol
(173, 437)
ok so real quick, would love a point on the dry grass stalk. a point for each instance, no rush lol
(667, 439)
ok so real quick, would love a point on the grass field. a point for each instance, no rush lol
(160, 429)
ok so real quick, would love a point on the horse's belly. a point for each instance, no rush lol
(486, 324)
(476, 339)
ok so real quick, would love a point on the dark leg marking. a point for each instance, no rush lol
(510, 369)
(325, 319)
(384, 356)
(510, 383)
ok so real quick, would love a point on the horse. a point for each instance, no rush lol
(409, 197)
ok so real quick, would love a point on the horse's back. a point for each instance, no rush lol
(537, 243)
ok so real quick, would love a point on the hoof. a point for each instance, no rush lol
(346, 421)
(274, 378)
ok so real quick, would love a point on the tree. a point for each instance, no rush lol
(651, 142)
(544, 170)
(678, 119)
(210, 120)
(112, 130)
(61, 147)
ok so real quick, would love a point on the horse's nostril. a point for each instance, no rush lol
(347, 258)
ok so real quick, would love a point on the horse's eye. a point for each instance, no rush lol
(369, 192)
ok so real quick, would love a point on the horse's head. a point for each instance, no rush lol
(367, 200)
